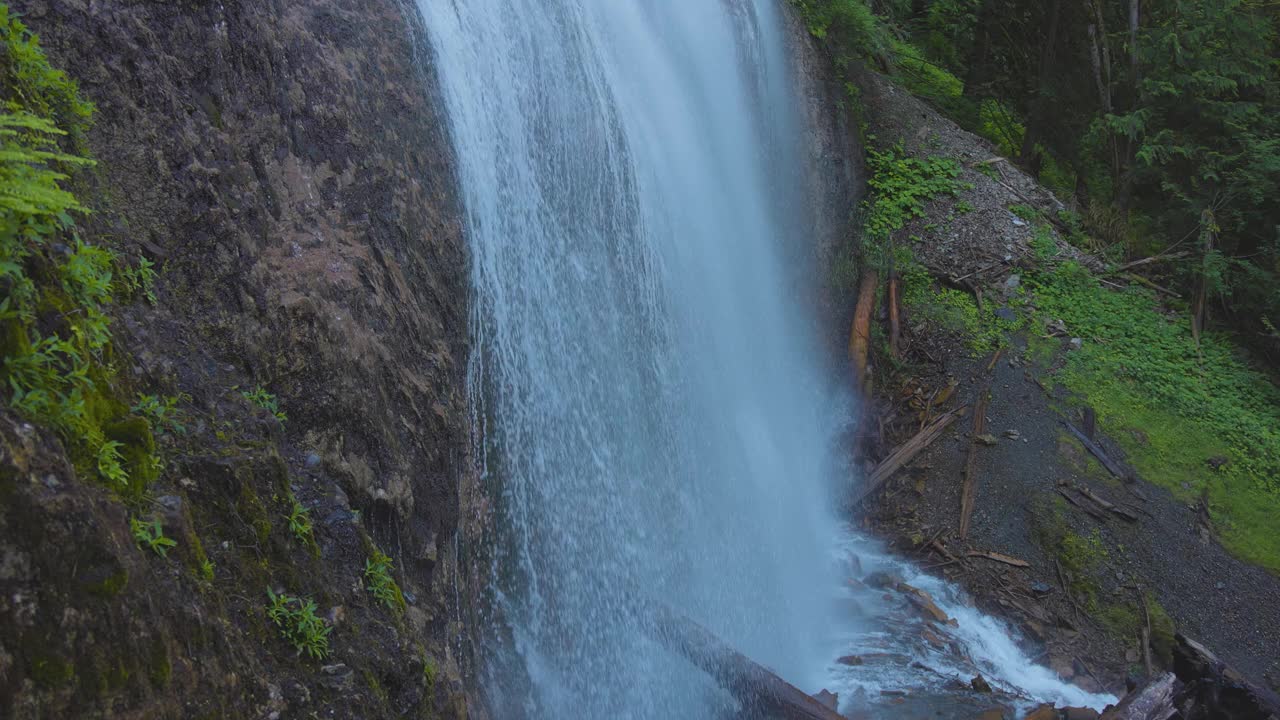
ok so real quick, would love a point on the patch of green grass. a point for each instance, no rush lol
(1126, 620)
(298, 623)
(1174, 406)
(954, 310)
(1044, 244)
(849, 28)
(1042, 349)
(1026, 212)
(1083, 557)
(1121, 620)
(379, 582)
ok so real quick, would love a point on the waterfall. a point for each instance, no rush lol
(644, 372)
(655, 424)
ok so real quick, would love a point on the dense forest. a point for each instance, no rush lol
(1158, 121)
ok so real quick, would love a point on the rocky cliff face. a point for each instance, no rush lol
(285, 164)
(835, 174)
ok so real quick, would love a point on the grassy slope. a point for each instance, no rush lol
(1177, 408)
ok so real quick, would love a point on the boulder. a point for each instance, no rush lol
(1044, 712)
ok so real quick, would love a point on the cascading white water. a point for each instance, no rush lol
(654, 419)
(653, 414)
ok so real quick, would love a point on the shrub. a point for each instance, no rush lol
(296, 618)
(378, 580)
(151, 536)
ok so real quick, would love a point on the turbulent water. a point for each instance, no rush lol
(655, 424)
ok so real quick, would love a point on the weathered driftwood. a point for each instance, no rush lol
(969, 491)
(1153, 701)
(1087, 507)
(1000, 558)
(762, 693)
(906, 453)
(1111, 465)
(1108, 506)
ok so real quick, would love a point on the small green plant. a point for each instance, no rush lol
(296, 618)
(162, 412)
(300, 524)
(151, 536)
(110, 463)
(1026, 212)
(1044, 244)
(429, 673)
(206, 570)
(140, 279)
(265, 400)
(378, 580)
(964, 207)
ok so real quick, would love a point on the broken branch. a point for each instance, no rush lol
(1111, 465)
(906, 453)
(1000, 558)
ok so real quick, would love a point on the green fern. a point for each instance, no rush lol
(55, 325)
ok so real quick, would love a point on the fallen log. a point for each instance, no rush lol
(1089, 508)
(1155, 701)
(1108, 506)
(969, 490)
(1000, 558)
(1147, 261)
(860, 333)
(762, 693)
(1111, 465)
(906, 453)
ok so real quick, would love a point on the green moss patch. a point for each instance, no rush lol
(1177, 409)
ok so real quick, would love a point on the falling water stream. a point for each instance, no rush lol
(654, 417)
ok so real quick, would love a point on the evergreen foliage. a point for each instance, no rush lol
(1161, 118)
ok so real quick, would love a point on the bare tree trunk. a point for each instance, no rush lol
(1097, 47)
(980, 55)
(1126, 185)
(1038, 110)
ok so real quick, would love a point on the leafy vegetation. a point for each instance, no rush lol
(1173, 405)
(151, 536)
(378, 580)
(1162, 127)
(162, 412)
(265, 400)
(299, 519)
(296, 618)
(900, 185)
(55, 327)
(1160, 119)
(954, 310)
